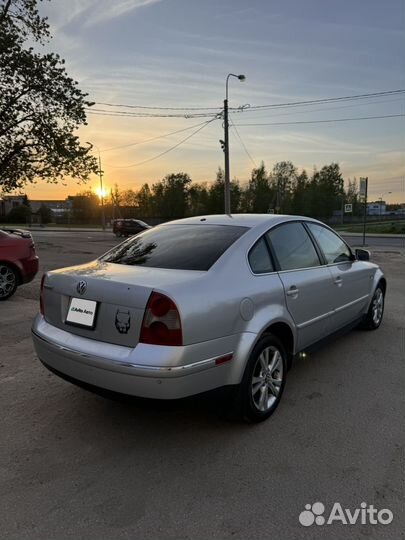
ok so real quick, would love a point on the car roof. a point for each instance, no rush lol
(241, 220)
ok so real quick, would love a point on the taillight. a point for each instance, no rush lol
(161, 323)
(41, 300)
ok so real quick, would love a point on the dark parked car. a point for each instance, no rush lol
(129, 227)
(18, 260)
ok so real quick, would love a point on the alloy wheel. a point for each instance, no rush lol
(7, 281)
(377, 306)
(267, 378)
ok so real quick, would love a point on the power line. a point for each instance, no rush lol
(327, 100)
(158, 108)
(242, 143)
(348, 106)
(127, 114)
(256, 107)
(154, 138)
(321, 121)
(166, 151)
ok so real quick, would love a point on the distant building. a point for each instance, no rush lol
(59, 208)
(8, 202)
(376, 208)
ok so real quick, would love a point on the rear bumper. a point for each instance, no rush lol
(30, 269)
(146, 370)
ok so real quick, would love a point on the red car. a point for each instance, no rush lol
(18, 260)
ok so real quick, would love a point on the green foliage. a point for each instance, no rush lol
(170, 195)
(176, 196)
(260, 191)
(284, 176)
(41, 107)
(85, 207)
(45, 214)
(19, 214)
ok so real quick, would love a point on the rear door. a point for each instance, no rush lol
(308, 285)
(352, 279)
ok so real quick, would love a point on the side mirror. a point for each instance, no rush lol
(362, 254)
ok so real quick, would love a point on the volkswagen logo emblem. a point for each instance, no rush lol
(81, 286)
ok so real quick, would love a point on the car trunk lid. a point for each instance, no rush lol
(121, 293)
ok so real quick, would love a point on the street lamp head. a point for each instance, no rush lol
(242, 77)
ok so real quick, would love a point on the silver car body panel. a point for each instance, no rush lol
(223, 311)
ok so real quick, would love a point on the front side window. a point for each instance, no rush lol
(259, 258)
(181, 247)
(293, 247)
(333, 247)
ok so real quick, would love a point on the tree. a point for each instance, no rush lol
(19, 214)
(145, 202)
(197, 199)
(260, 193)
(170, 195)
(41, 107)
(85, 207)
(45, 214)
(329, 190)
(300, 196)
(216, 195)
(284, 177)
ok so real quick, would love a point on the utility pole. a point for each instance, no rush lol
(100, 172)
(227, 194)
(225, 146)
(363, 192)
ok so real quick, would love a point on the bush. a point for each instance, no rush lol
(19, 214)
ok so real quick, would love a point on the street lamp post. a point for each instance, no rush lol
(100, 174)
(381, 200)
(227, 192)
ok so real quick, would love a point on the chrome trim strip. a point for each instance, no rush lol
(315, 319)
(162, 370)
(337, 310)
(200, 363)
(350, 304)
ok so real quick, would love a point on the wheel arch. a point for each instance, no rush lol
(383, 282)
(285, 334)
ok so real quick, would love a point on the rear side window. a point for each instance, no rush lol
(333, 247)
(293, 247)
(181, 247)
(259, 258)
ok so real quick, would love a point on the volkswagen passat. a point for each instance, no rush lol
(203, 303)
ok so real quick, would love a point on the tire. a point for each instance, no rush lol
(259, 393)
(8, 281)
(375, 313)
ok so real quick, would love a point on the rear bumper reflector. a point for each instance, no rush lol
(222, 359)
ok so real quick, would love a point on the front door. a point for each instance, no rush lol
(352, 279)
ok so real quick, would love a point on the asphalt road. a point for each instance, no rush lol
(77, 466)
(375, 241)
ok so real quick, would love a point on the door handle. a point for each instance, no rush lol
(339, 281)
(293, 291)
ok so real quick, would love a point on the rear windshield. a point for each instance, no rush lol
(181, 247)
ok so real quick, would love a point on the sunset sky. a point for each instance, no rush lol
(177, 53)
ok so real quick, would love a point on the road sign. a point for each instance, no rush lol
(363, 198)
(363, 188)
(348, 208)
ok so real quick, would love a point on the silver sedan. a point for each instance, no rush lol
(206, 302)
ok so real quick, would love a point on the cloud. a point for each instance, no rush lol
(90, 12)
(112, 10)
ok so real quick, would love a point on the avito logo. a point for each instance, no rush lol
(365, 515)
